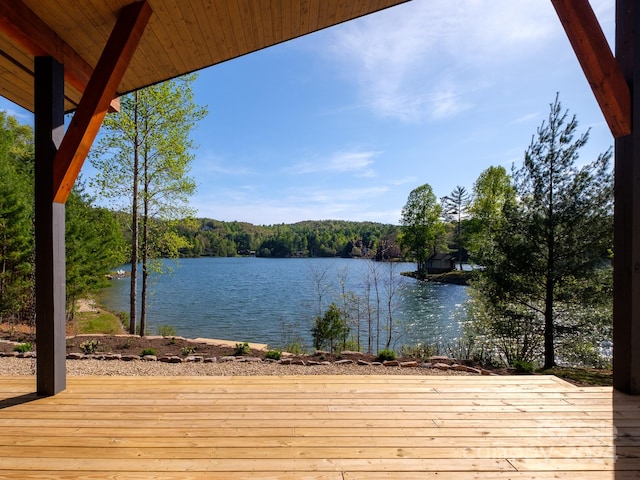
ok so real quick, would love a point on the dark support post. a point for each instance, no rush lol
(49, 230)
(626, 297)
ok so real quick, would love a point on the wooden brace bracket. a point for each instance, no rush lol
(97, 97)
(598, 63)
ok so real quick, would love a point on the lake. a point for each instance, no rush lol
(272, 301)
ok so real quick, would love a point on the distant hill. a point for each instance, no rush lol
(311, 238)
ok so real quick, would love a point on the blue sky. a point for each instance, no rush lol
(344, 123)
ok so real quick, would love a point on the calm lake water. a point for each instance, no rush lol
(273, 300)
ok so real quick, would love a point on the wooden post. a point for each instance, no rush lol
(49, 229)
(626, 296)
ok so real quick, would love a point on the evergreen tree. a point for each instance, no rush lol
(329, 329)
(94, 245)
(454, 207)
(555, 238)
(16, 219)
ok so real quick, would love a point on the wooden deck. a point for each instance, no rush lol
(318, 428)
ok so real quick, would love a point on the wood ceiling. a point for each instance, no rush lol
(182, 36)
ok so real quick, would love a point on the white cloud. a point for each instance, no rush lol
(294, 205)
(211, 163)
(358, 163)
(421, 60)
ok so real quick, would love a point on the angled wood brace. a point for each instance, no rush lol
(97, 97)
(598, 63)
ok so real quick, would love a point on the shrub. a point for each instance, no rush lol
(23, 347)
(419, 351)
(89, 346)
(385, 354)
(190, 350)
(242, 349)
(166, 331)
(148, 351)
(329, 329)
(296, 347)
(522, 366)
(273, 354)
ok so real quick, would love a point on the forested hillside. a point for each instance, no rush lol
(327, 238)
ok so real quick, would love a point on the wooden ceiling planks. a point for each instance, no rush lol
(182, 36)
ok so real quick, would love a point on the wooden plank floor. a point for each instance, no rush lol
(318, 428)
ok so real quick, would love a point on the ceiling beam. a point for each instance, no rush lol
(95, 101)
(598, 63)
(24, 27)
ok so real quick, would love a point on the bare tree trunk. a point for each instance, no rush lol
(145, 270)
(134, 228)
(145, 242)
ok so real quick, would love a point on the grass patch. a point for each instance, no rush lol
(101, 322)
(582, 376)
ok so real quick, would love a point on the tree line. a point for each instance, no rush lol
(94, 240)
(326, 238)
(542, 238)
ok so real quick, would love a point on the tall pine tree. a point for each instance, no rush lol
(555, 237)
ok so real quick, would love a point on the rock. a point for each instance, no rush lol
(438, 358)
(411, 364)
(459, 368)
(319, 353)
(194, 359)
(426, 365)
(474, 370)
(150, 358)
(364, 363)
(227, 358)
(113, 356)
(171, 359)
(312, 363)
(26, 355)
(210, 360)
(252, 359)
(298, 361)
(75, 356)
(345, 361)
(376, 364)
(349, 352)
(285, 361)
(391, 363)
(441, 366)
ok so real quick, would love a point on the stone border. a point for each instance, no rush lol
(439, 364)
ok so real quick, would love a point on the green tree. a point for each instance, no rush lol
(421, 224)
(555, 237)
(492, 191)
(329, 329)
(454, 208)
(16, 219)
(94, 245)
(144, 160)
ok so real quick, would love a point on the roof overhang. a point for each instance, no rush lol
(182, 36)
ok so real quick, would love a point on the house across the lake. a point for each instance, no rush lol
(440, 263)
